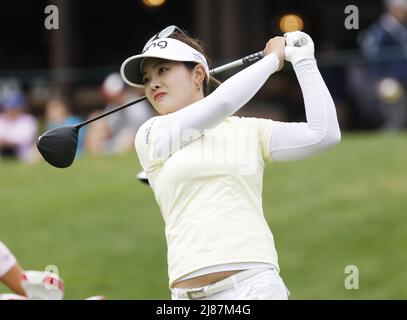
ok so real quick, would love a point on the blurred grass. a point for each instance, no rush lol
(103, 229)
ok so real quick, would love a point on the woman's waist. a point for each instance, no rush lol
(204, 280)
(212, 274)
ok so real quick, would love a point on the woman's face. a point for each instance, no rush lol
(170, 85)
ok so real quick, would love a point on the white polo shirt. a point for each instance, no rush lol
(210, 195)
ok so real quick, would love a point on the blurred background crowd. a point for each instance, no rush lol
(50, 78)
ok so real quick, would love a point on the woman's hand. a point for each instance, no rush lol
(276, 45)
(295, 53)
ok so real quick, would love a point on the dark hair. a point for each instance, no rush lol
(208, 86)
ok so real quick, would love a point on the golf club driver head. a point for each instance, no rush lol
(58, 146)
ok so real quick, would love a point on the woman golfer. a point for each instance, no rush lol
(206, 167)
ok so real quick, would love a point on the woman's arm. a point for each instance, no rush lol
(12, 279)
(292, 141)
(10, 270)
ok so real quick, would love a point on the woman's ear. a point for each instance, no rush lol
(199, 74)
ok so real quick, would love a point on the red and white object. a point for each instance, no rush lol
(42, 285)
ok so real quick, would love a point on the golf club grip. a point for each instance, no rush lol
(79, 125)
(251, 58)
(245, 60)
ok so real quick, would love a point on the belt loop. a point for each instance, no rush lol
(196, 294)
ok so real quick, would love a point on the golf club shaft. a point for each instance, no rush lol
(111, 111)
(248, 59)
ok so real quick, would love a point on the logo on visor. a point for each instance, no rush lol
(161, 44)
(199, 57)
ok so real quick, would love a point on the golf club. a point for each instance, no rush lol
(58, 146)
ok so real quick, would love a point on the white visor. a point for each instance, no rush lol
(166, 48)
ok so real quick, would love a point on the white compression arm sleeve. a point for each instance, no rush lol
(292, 141)
(207, 113)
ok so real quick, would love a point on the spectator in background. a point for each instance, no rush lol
(57, 114)
(18, 129)
(10, 271)
(116, 132)
(31, 285)
(385, 45)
